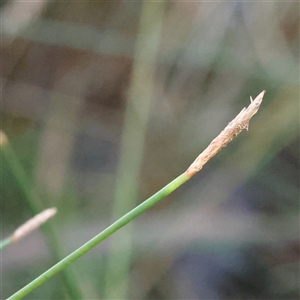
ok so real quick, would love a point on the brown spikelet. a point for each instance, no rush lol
(240, 122)
(33, 223)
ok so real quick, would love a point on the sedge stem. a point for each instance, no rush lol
(169, 188)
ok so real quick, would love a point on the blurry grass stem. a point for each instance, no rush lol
(240, 122)
(34, 203)
(18, 172)
(132, 147)
(29, 226)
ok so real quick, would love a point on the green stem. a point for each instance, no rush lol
(140, 95)
(5, 242)
(34, 203)
(21, 177)
(169, 188)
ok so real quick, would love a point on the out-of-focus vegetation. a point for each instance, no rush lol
(105, 102)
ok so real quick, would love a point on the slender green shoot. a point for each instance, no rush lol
(34, 203)
(102, 236)
(240, 122)
(140, 95)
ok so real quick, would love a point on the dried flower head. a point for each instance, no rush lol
(240, 122)
(33, 223)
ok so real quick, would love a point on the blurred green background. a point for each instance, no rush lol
(106, 102)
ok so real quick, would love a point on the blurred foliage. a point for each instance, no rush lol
(232, 232)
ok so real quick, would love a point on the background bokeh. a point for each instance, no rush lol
(105, 102)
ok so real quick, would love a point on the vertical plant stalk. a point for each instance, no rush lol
(240, 122)
(17, 170)
(34, 203)
(117, 267)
